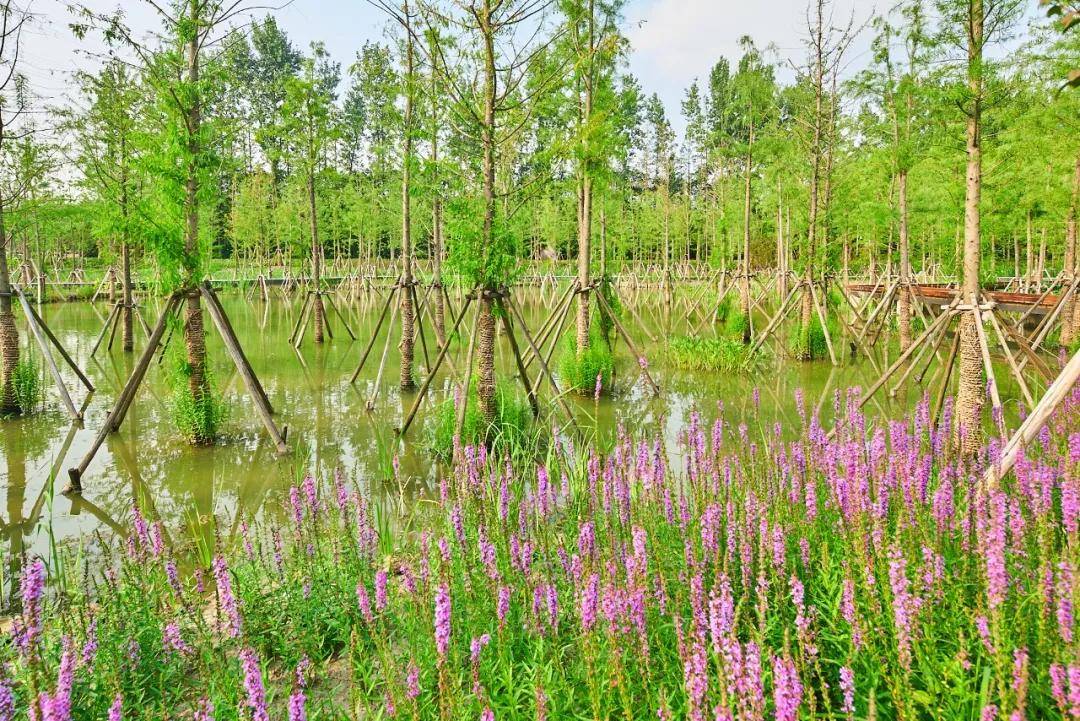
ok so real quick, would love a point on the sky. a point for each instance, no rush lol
(673, 41)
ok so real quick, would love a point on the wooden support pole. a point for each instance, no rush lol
(56, 342)
(984, 347)
(529, 391)
(431, 374)
(1028, 431)
(105, 329)
(46, 352)
(642, 361)
(374, 336)
(824, 324)
(115, 417)
(543, 364)
(247, 373)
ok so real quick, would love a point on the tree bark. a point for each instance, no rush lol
(903, 302)
(194, 336)
(408, 316)
(971, 393)
(485, 346)
(586, 190)
(319, 310)
(436, 216)
(745, 280)
(1070, 319)
(9, 334)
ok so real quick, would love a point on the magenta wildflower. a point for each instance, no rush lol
(363, 601)
(116, 710)
(253, 686)
(787, 689)
(847, 688)
(412, 681)
(28, 627)
(442, 621)
(229, 605)
(380, 590)
(297, 711)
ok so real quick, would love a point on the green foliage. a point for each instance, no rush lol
(199, 420)
(27, 382)
(808, 343)
(736, 324)
(470, 258)
(714, 355)
(511, 432)
(579, 372)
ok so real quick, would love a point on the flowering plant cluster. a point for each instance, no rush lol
(754, 574)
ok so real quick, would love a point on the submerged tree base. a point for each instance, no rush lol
(831, 577)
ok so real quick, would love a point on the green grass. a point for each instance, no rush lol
(716, 355)
(579, 373)
(512, 431)
(27, 382)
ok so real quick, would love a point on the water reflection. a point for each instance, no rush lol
(199, 493)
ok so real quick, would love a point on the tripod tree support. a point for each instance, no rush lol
(44, 336)
(127, 395)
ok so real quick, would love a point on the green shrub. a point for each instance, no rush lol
(579, 373)
(717, 355)
(512, 430)
(27, 382)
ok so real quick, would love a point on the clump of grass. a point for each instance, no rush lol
(808, 343)
(716, 355)
(512, 430)
(27, 382)
(579, 372)
(199, 420)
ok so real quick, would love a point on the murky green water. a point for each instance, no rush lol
(202, 491)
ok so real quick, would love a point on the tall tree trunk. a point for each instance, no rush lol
(408, 312)
(436, 217)
(745, 281)
(485, 346)
(971, 393)
(316, 256)
(781, 269)
(903, 303)
(128, 338)
(1070, 318)
(194, 336)
(806, 312)
(9, 334)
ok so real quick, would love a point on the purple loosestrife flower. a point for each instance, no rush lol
(903, 605)
(1064, 611)
(253, 686)
(997, 578)
(90, 648)
(476, 646)
(173, 641)
(31, 587)
(229, 605)
(847, 688)
(541, 704)
(988, 713)
(412, 681)
(363, 601)
(442, 622)
(380, 590)
(787, 689)
(297, 710)
(7, 701)
(58, 706)
(205, 711)
(116, 710)
(502, 605)
(589, 602)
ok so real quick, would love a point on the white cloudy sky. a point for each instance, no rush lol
(674, 41)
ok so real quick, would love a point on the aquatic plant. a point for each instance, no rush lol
(582, 373)
(27, 383)
(717, 355)
(510, 432)
(762, 575)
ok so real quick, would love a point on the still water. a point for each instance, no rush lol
(200, 492)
